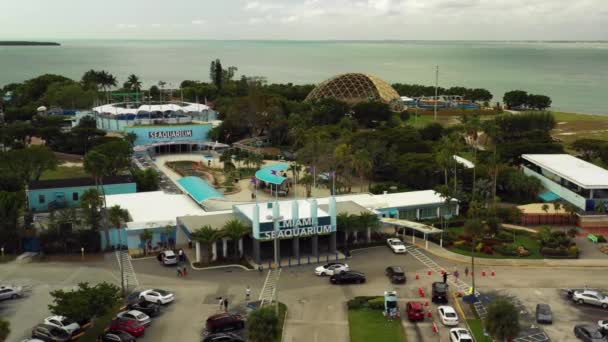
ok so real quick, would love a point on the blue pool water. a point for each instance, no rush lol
(199, 189)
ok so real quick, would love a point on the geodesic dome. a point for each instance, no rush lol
(354, 88)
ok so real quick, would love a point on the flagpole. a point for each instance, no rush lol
(333, 184)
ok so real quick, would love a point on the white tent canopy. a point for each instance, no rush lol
(118, 109)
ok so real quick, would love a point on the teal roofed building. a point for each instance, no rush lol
(46, 195)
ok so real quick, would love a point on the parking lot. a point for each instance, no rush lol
(317, 310)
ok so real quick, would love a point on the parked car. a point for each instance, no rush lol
(63, 322)
(157, 296)
(32, 340)
(590, 297)
(131, 326)
(150, 309)
(224, 337)
(10, 292)
(348, 277)
(224, 322)
(395, 274)
(139, 316)
(588, 333)
(440, 293)
(447, 315)
(544, 314)
(460, 335)
(115, 336)
(603, 324)
(167, 257)
(331, 269)
(396, 245)
(415, 311)
(50, 333)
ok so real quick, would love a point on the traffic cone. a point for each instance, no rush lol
(429, 314)
(426, 303)
(483, 273)
(417, 276)
(493, 273)
(435, 328)
(430, 272)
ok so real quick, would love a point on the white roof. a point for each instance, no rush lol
(156, 209)
(117, 108)
(285, 210)
(577, 171)
(406, 99)
(464, 162)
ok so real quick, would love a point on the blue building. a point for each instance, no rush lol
(45, 195)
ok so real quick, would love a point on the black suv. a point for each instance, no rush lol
(440, 293)
(50, 333)
(223, 337)
(395, 274)
(116, 336)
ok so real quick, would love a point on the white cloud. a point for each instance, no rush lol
(126, 26)
(198, 21)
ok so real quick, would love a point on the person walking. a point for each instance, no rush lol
(456, 274)
(180, 253)
(221, 302)
(445, 277)
(179, 271)
(466, 271)
(247, 294)
(226, 304)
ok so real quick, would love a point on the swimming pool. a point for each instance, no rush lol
(199, 189)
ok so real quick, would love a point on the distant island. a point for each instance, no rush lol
(24, 43)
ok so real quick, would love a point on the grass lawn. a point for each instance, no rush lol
(522, 238)
(63, 172)
(370, 325)
(476, 326)
(572, 126)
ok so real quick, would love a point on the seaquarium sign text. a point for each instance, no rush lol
(170, 134)
(297, 228)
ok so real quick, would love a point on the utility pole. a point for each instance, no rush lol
(436, 86)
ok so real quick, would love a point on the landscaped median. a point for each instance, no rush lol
(367, 322)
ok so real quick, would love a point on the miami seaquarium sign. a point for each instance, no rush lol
(170, 134)
(295, 228)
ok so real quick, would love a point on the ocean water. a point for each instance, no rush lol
(573, 74)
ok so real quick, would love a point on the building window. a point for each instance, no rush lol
(41, 199)
(407, 214)
(74, 196)
(428, 213)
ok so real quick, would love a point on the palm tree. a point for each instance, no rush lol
(556, 208)
(134, 83)
(308, 181)
(92, 202)
(545, 208)
(96, 165)
(369, 221)
(345, 224)
(363, 164)
(474, 229)
(117, 216)
(145, 237)
(502, 320)
(206, 236)
(235, 230)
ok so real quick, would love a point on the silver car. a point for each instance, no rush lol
(590, 297)
(10, 292)
(544, 314)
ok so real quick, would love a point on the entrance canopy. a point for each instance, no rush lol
(549, 196)
(417, 226)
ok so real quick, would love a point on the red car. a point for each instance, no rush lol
(415, 311)
(130, 326)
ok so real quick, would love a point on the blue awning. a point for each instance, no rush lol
(549, 196)
(266, 174)
(393, 212)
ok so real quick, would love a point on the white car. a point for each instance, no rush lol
(157, 296)
(331, 269)
(460, 335)
(10, 292)
(62, 322)
(396, 245)
(603, 324)
(447, 315)
(168, 258)
(590, 297)
(139, 316)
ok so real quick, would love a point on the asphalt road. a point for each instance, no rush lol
(317, 310)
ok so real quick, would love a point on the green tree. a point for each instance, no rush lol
(11, 207)
(133, 83)
(515, 98)
(371, 113)
(235, 230)
(588, 149)
(145, 237)
(545, 208)
(91, 201)
(308, 182)
(86, 302)
(4, 330)
(363, 165)
(473, 228)
(220, 76)
(263, 325)
(146, 180)
(502, 320)
(31, 162)
(96, 165)
(370, 222)
(206, 236)
(117, 156)
(347, 223)
(117, 216)
(538, 102)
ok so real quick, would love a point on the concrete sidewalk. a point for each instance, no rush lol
(455, 257)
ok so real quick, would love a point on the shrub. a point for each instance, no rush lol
(572, 232)
(487, 249)
(573, 251)
(504, 236)
(601, 238)
(479, 247)
(507, 250)
(459, 243)
(376, 303)
(361, 302)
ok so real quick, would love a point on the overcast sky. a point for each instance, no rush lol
(305, 19)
